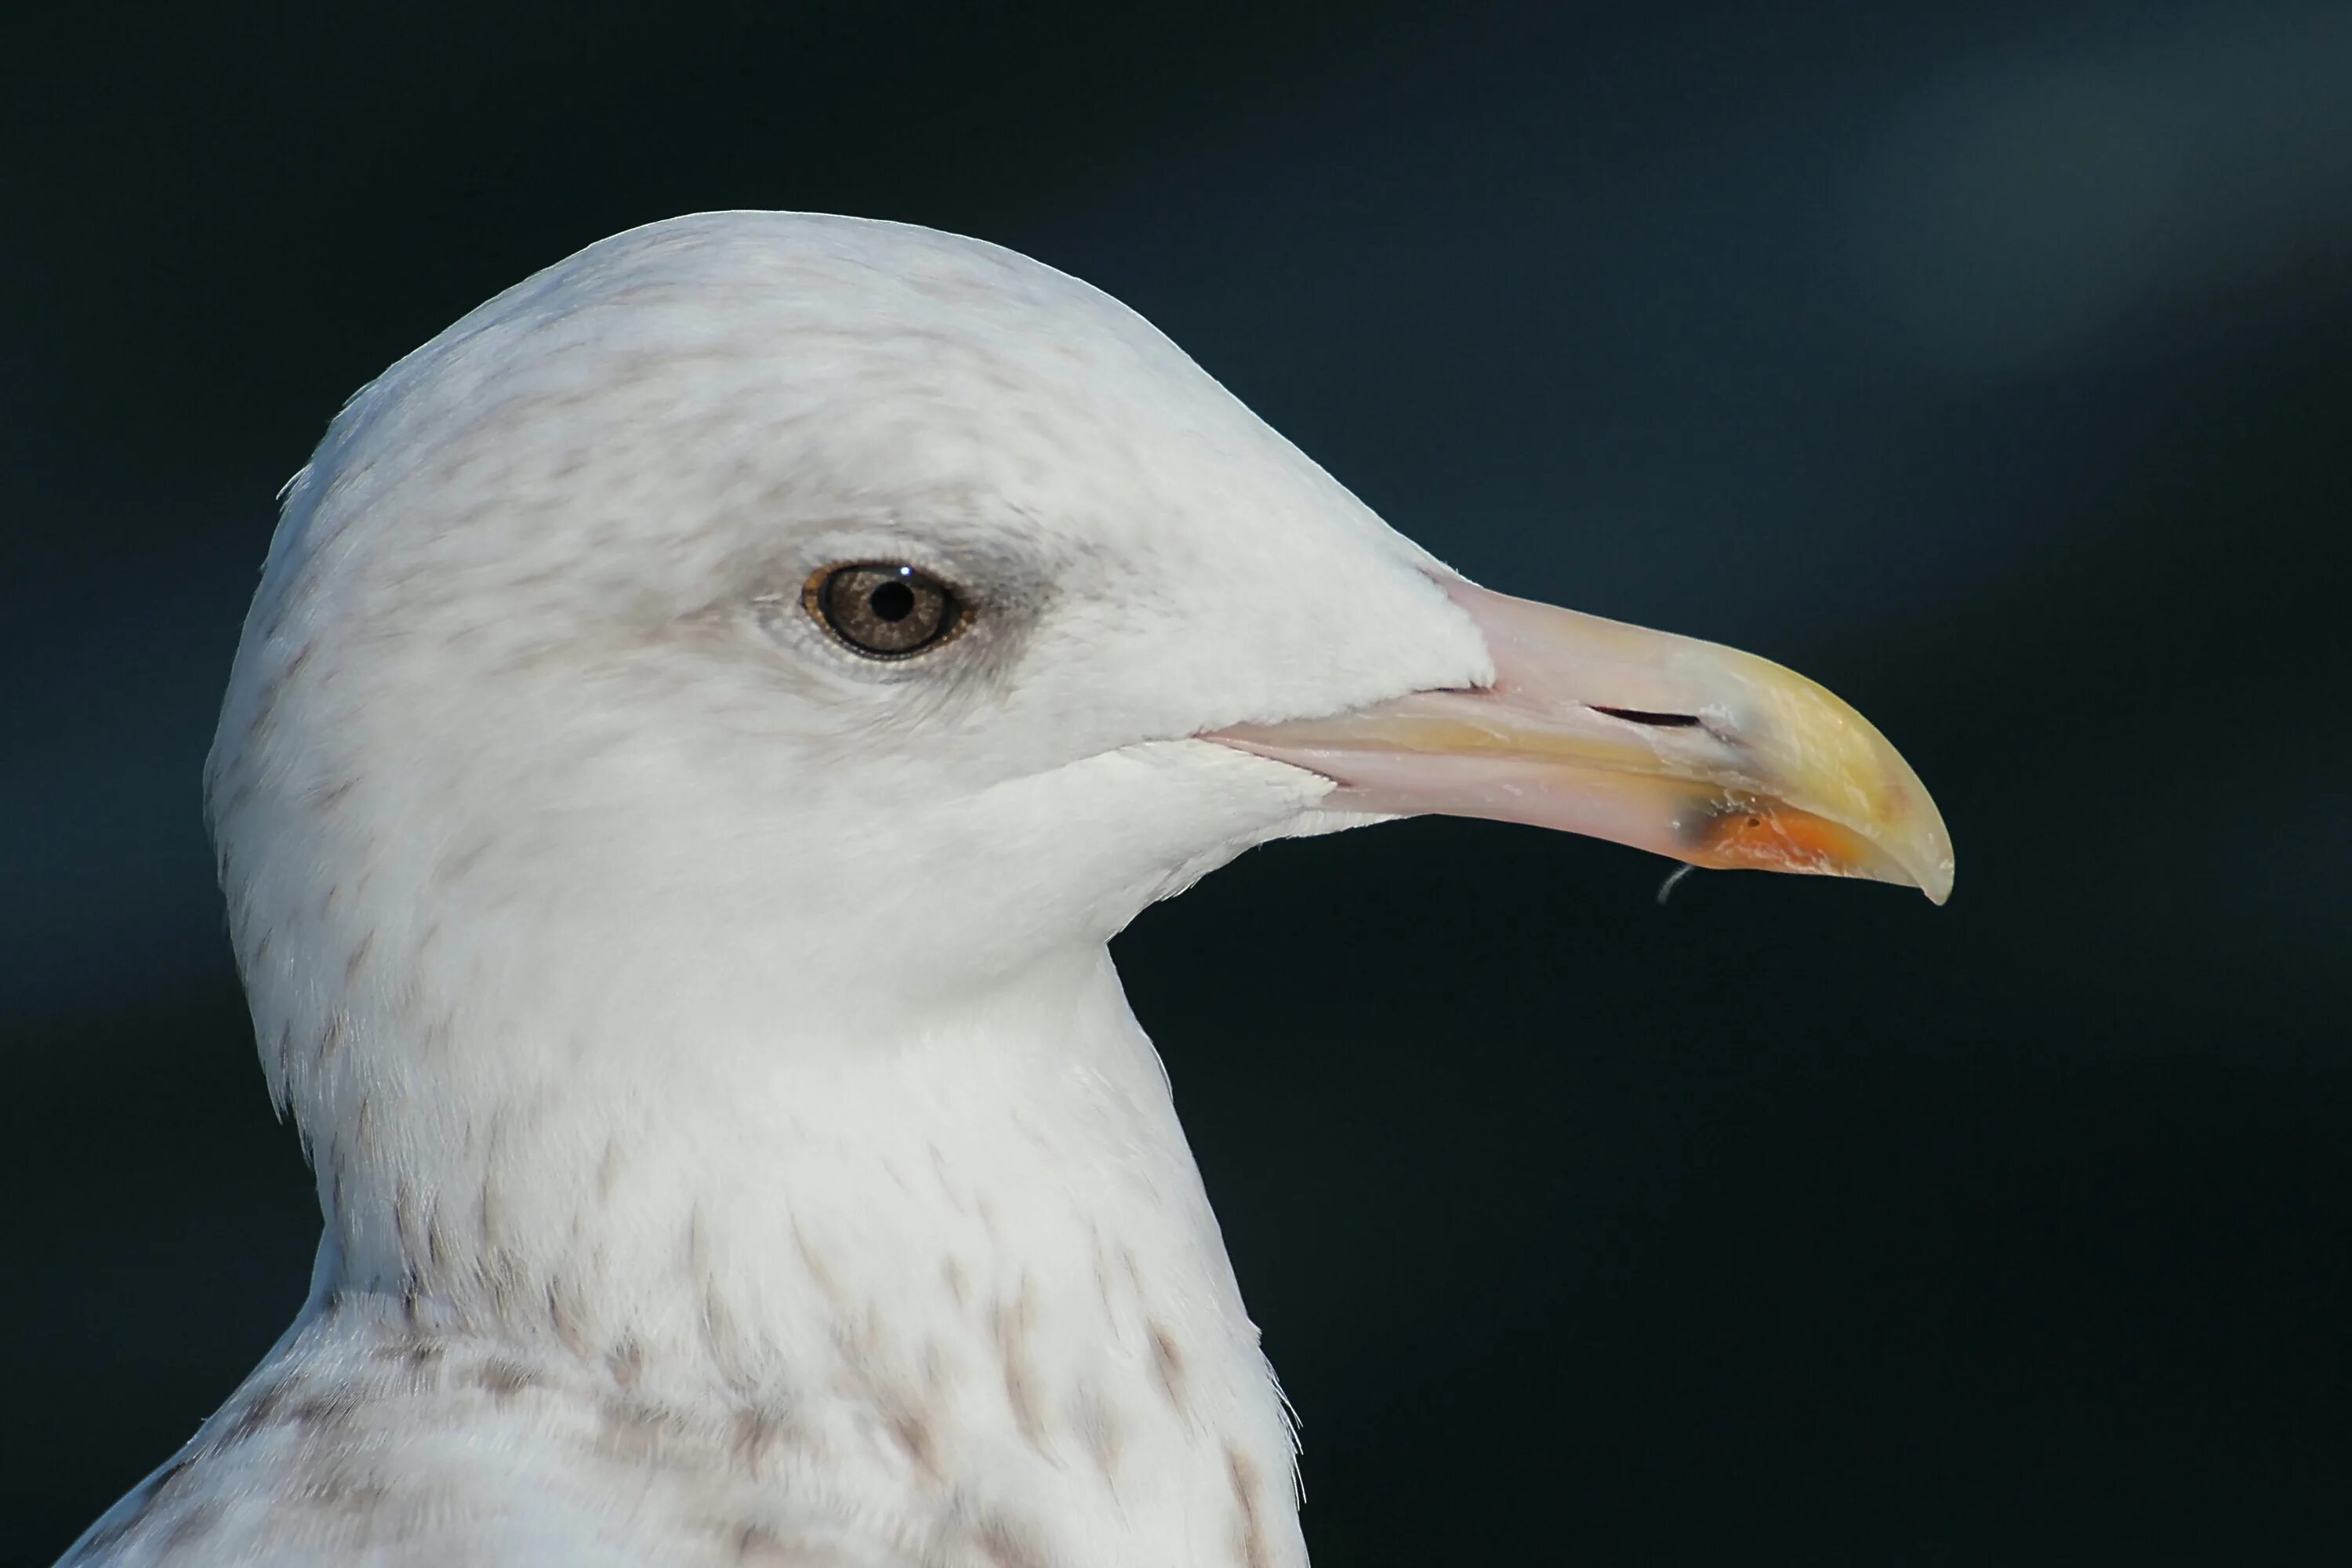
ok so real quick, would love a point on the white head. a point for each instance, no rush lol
(540, 743)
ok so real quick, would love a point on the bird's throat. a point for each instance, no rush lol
(980, 1244)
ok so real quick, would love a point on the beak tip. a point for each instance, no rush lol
(1931, 872)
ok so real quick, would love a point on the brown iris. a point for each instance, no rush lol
(882, 609)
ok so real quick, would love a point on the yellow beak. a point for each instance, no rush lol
(1665, 743)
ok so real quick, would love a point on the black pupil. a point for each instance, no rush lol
(892, 602)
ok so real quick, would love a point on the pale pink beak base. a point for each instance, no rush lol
(1665, 743)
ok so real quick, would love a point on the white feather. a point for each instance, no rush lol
(733, 1142)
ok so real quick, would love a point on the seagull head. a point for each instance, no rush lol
(800, 623)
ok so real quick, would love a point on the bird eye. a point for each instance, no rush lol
(884, 610)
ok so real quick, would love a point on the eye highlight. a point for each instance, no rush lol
(882, 609)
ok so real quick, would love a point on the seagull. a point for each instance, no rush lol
(702, 716)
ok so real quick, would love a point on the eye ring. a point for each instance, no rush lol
(882, 609)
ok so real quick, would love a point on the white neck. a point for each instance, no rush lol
(987, 1235)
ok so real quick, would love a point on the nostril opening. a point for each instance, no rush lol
(1659, 720)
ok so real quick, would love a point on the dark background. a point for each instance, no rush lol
(1991, 363)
